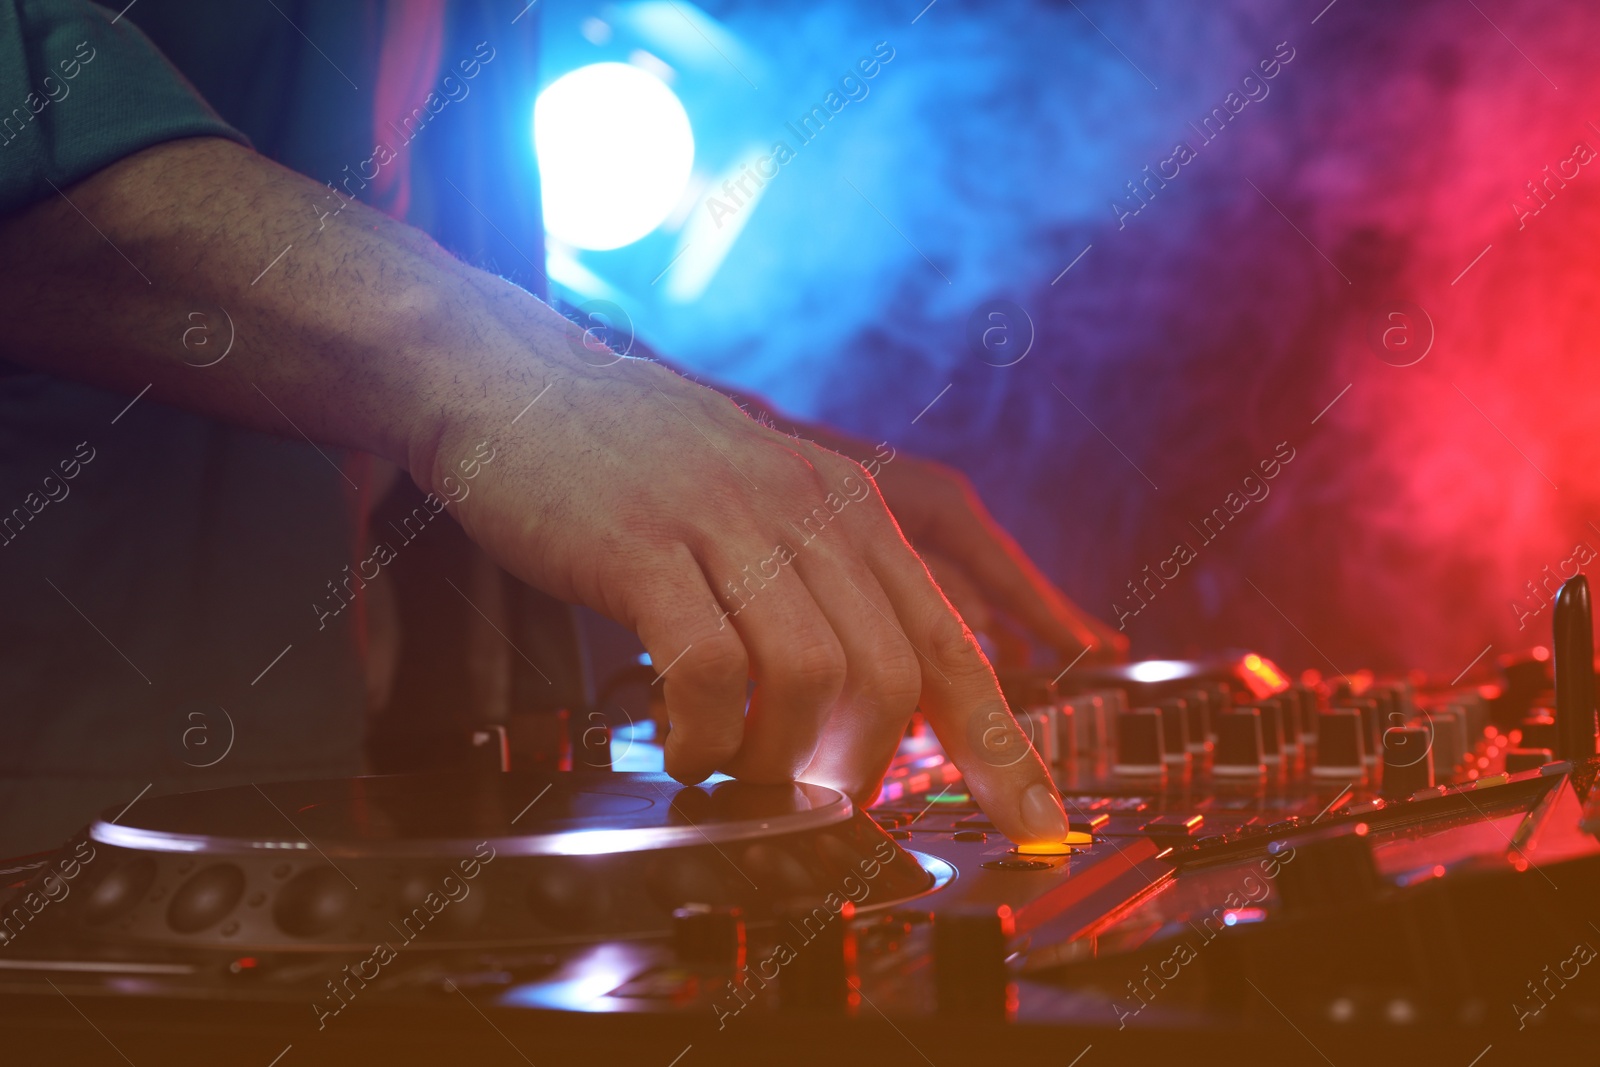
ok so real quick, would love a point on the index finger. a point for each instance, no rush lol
(962, 702)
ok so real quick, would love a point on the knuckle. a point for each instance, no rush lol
(816, 667)
(951, 645)
(894, 679)
(715, 662)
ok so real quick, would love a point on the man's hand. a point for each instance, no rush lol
(979, 566)
(735, 552)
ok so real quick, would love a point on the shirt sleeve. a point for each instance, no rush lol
(81, 88)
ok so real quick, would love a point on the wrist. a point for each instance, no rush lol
(473, 353)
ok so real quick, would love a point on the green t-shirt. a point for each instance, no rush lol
(157, 568)
(80, 89)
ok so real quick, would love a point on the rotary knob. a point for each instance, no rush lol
(709, 936)
(1307, 718)
(1289, 702)
(1340, 751)
(1371, 725)
(1238, 751)
(1274, 737)
(1331, 869)
(1539, 729)
(969, 960)
(1527, 759)
(1174, 730)
(1140, 742)
(1449, 740)
(1407, 761)
(1199, 711)
(821, 974)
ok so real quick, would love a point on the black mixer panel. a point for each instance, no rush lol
(1257, 867)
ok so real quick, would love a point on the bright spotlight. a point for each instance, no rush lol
(615, 151)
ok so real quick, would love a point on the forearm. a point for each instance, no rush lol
(358, 329)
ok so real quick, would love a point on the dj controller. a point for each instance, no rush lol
(1260, 869)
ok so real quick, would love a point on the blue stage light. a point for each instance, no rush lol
(615, 151)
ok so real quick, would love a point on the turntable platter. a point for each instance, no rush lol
(472, 859)
(448, 814)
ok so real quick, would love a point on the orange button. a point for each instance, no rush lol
(1053, 848)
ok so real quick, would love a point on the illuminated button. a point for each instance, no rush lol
(1492, 780)
(1054, 848)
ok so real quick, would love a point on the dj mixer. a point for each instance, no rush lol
(1260, 869)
